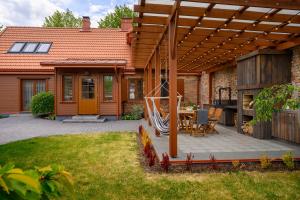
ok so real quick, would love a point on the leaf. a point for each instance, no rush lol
(15, 171)
(27, 180)
(3, 185)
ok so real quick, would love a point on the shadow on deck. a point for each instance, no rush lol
(226, 146)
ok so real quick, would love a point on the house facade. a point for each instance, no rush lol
(89, 70)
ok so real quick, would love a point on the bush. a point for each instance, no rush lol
(265, 162)
(288, 160)
(137, 113)
(42, 104)
(39, 183)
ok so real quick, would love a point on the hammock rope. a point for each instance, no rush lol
(161, 124)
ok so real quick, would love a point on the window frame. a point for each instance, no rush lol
(63, 89)
(25, 43)
(30, 52)
(40, 43)
(113, 87)
(136, 91)
(10, 48)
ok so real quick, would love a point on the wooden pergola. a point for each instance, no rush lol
(193, 36)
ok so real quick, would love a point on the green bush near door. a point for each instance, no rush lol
(42, 104)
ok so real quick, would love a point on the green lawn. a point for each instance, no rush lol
(106, 166)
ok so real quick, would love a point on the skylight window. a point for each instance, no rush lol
(30, 47)
(17, 47)
(43, 48)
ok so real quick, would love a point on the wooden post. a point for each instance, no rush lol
(157, 80)
(210, 87)
(173, 85)
(145, 92)
(150, 88)
(157, 77)
(198, 89)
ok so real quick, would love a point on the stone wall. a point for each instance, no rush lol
(190, 88)
(296, 66)
(204, 95)
(225, 78)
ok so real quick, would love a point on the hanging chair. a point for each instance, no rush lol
(159, 122)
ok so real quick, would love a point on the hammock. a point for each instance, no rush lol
(161, 124)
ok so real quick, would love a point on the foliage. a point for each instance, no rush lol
(274, 99)
(113, 20)
(53, 180)
(152, 158)
(288, 160)
(189, 161)
(236, 164)
(63, 19)
(265, 162)
(136, 114)
(3, 116)
(165, 163)
(41, 183)
(17, 184)
(42, 104)
(213, 162)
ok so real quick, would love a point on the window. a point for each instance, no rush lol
(29, 89)
(108, 88)
(88, 88)
(165, 89)
(135, 89)
(67, 88)
(16, 47)
(30, 47)
(43, 48)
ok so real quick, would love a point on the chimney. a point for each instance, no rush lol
(126, 24)
(86, 23)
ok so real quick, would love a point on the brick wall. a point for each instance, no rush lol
(296, 66)
(204, 95)
(225, 78)
(190, 88)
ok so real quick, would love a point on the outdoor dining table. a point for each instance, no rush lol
(184, 116)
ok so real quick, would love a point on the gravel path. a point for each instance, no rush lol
(24, 126)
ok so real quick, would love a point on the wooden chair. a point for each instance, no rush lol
(211, 112)
(199, 123)
(213, 121)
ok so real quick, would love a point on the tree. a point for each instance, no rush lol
(63, 19)
(113, 20)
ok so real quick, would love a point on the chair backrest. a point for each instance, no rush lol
(202, 116)
(211, 112)
(218, 113)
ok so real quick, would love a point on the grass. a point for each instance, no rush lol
(106, 166)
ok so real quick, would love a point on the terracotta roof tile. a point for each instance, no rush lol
(67, 43)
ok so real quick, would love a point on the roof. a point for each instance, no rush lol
(85, 62)
(212, 33)
(67, 44)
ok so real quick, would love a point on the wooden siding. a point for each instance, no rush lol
(10, 90)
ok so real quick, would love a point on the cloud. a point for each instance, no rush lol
(26, 12)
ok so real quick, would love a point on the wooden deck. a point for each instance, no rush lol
(226, 146)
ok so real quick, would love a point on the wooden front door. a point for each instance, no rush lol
(87, 95)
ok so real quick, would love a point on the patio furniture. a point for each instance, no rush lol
(199, 124)
(214, 120)
(211, 112)
(185, 117)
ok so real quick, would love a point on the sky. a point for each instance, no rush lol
(33, 12)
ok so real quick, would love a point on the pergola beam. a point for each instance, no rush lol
(283, 4)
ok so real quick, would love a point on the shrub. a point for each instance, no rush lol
(189, 161)
(265, 162)
(136, 114)
(165, 163)
(288, 160)
(41, 183)
(236, 164)
(42, 104)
